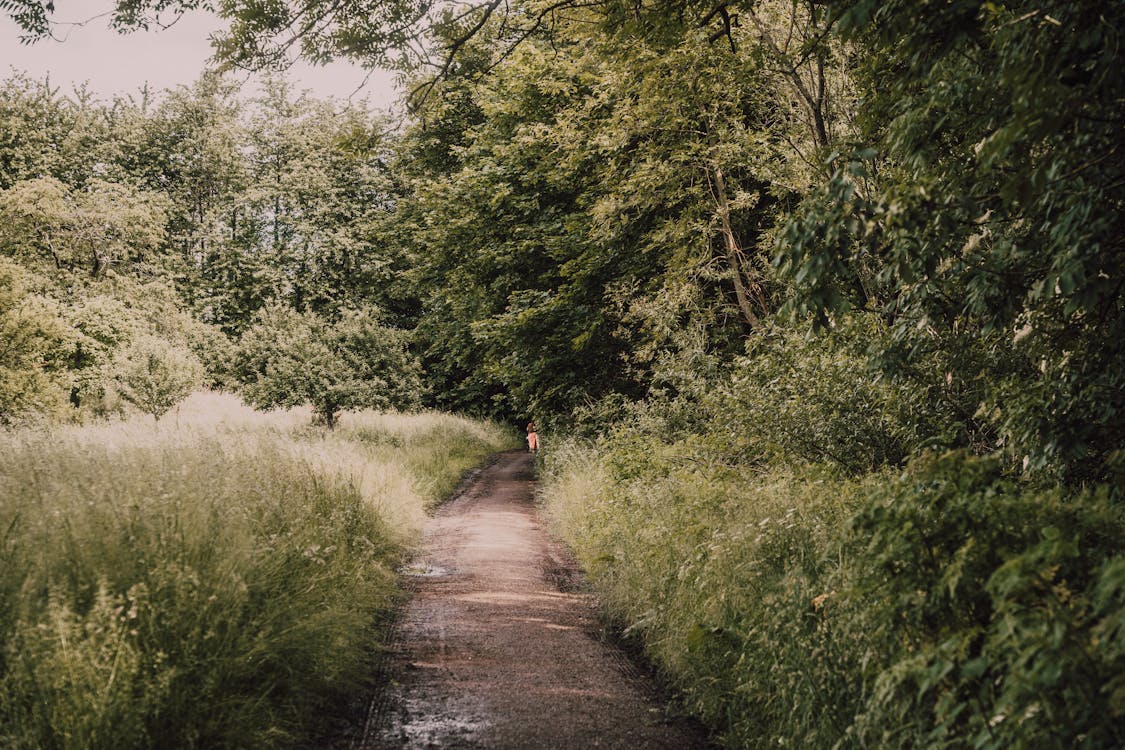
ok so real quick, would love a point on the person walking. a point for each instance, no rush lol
(532, 438)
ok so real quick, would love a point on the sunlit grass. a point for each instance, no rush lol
(212, 579)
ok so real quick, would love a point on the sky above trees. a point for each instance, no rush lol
(112, 63)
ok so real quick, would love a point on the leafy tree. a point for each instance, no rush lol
(32, 339)
(595, 202)
(287, 358)
(506, 318)
(91, 229)
(319, 200)
(33, 123)
(110, 316)
(155, 376)
(987, 214)
(189, 148)
(73, 137)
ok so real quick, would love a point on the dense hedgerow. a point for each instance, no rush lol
(210, 585)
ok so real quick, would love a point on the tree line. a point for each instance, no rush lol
(590, 191)
(592, 194)
(153, 243)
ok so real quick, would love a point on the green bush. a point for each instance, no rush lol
(945, 607)
(33, 336)
(287, 358)
(798, 397)
(155, 376)
(990, 611)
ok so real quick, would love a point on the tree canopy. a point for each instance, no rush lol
(591, 193)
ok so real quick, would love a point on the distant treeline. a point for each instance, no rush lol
(617, 199)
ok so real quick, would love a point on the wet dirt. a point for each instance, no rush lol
(499, 647)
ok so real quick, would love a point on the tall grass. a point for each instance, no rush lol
(214, 580)
(940, 606)
(698, 562)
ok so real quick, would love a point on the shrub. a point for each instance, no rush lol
(949, 606)
(798, 397)
(988, 611)
(155, 376)
(288, 358)
(32, 337)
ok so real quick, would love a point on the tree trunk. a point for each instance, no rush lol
(747, 289)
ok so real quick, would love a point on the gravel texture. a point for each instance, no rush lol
(499, 648)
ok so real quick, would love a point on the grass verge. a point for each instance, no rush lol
(215, 580)
(940, 606)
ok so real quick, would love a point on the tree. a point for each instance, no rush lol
(32, 339)
(318, 203)
(594, 198)
(92, 229)
(409, 35)
(44, 133)
(156, 376)
(287, 358)
(986, 205)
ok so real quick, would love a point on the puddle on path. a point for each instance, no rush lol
(425, 724)
(441, 731)
(427, 571)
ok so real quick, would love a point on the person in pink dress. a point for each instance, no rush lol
(532, 438)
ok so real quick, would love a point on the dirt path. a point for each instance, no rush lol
(495, 652)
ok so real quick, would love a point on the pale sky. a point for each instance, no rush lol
(120, 64)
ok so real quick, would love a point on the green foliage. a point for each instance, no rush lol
(987, 209)
(956, 608)
(585, 217)
(48, 135)
(103, 225)
(202, 585)
(796, 397)
(583, 232)
(33, 338)
(154, 376)
(299, 211)
(283, 199)
(288, 358)
(243, 605)
(71, 342)
(109, 317)
(979, 600)
(799, 396)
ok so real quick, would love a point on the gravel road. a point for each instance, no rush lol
(497, 649)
